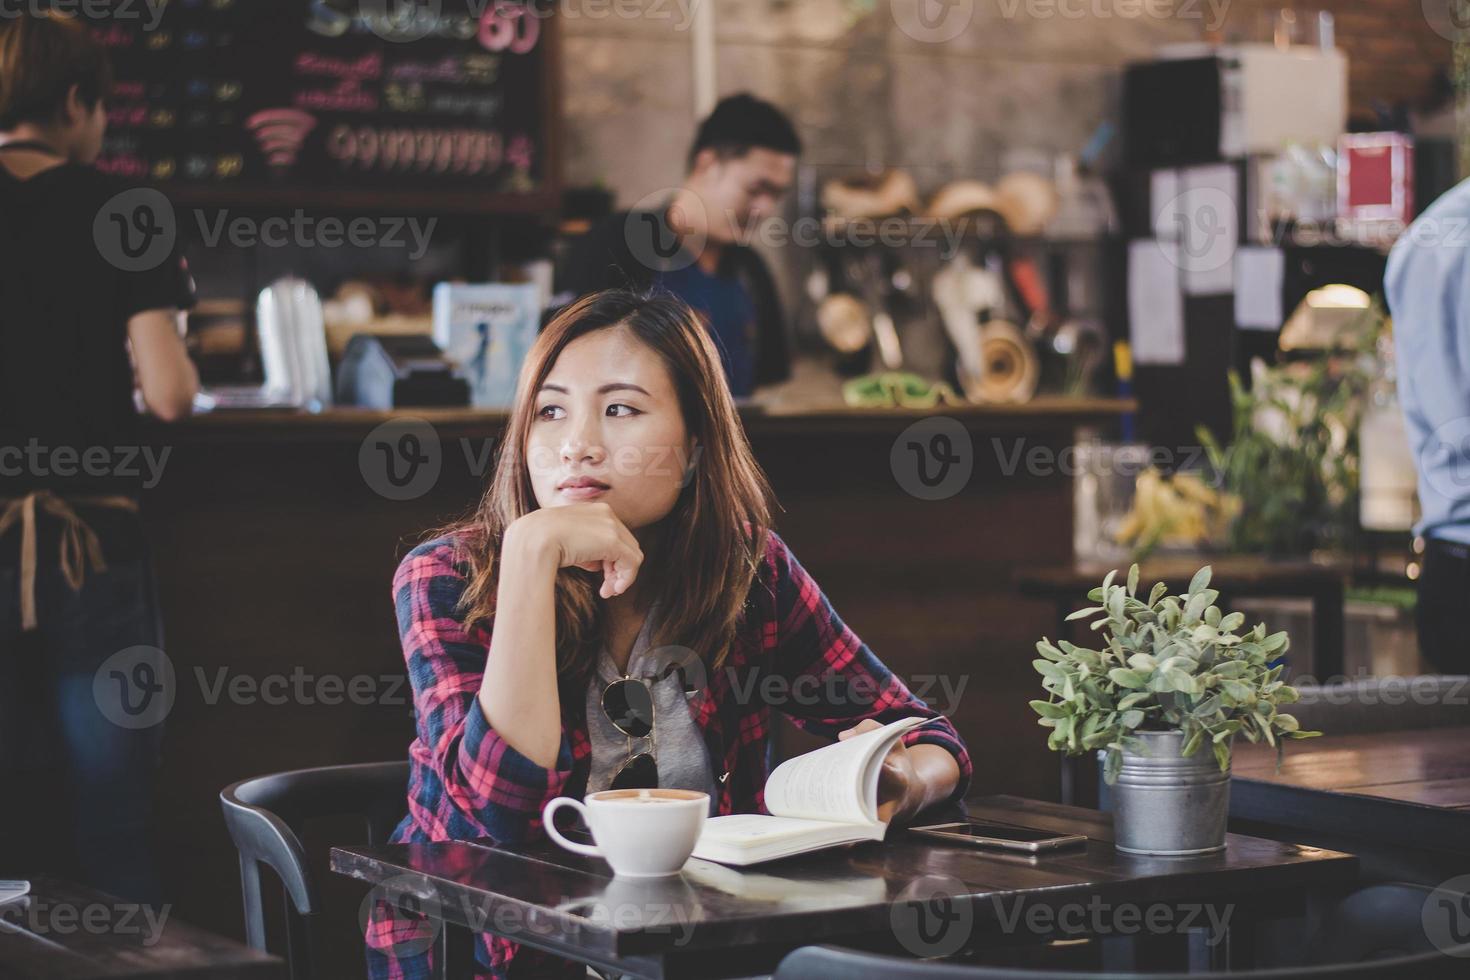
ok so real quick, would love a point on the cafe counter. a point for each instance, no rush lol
(277, 533)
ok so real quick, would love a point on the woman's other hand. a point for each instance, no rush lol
(901, 792)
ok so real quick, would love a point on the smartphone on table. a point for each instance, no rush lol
(998, 835)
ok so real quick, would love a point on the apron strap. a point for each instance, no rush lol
(80, 545)
(29, 145)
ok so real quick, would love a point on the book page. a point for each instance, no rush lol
(838, 781)
(751, 838)
(740, 829)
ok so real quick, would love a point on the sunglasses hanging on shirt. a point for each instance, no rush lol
(628, 704)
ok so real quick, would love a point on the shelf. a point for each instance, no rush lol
(906, 231)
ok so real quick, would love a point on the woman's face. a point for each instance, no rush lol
(607, 427)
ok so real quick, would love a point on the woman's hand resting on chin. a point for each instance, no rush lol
(585, 535)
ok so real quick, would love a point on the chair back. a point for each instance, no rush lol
(1376, 922)
(266, 817)
(834, 963)
(1384, 704)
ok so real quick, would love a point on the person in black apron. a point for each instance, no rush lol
(83, 316)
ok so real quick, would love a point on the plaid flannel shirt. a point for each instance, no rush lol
(467, 783)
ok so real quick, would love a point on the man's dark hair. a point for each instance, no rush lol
(41, 58)
(741, 123)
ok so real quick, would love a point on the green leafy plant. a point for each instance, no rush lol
(1171, 662)
(1293, 458)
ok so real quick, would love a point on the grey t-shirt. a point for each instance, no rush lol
(676, 742)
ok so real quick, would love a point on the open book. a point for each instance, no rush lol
(827, 797)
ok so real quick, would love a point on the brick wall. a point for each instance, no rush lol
(1393, 50)
(866, 86)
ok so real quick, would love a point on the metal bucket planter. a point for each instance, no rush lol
(1167, 804)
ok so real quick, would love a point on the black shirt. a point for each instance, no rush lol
(631, 250)
(67, 418)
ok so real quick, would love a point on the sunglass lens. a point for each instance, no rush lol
(639, 772)
(629, 706)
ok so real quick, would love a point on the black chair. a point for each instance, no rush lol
(1375, 922)
(266, 817)
(834, 963)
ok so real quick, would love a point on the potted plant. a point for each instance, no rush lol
(1172, 683)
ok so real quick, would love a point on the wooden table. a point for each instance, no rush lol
(713, 921)
(1404, 788)
(62, 930)
(1235, 576)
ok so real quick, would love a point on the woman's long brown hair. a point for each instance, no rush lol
(703, 556)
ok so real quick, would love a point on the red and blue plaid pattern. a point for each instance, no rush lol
(467, 783)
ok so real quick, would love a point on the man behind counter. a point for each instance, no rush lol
(741, 164)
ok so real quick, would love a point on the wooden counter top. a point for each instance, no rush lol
(354, 423)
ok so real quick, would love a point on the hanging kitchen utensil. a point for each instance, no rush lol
(845, 323)
(966, 293)
(1012, 368)
(863, 269)
(894, 193)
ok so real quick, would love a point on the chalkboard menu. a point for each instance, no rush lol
(351, 102)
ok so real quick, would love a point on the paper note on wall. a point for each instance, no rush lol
(1198, 208)
(1155, 303)
(1259, 272)
(1163, 202)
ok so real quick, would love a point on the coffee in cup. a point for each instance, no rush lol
(642, 833)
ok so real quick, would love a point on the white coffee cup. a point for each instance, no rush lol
(642, 833)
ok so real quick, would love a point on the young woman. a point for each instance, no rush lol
(76, 582)
(619, 613)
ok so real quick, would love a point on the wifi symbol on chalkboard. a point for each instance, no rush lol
(280, 133)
